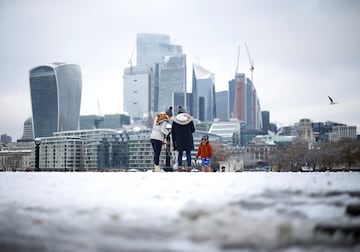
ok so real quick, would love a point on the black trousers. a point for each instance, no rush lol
(157, 145)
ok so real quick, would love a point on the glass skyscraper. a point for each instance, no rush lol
(179, 99)
(203, 85)
(55, 98)
(168, 67)
(253, 111)
(231, 97)
(172, 79)
(150, 48)
(222, 105)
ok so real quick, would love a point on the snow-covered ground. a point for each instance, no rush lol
(206, 212)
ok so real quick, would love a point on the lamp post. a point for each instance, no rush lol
(37, 154)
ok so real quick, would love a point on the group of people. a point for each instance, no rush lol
(181, 131)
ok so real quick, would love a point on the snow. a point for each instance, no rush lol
(51, 211)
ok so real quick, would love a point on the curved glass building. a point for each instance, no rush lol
(55, 98)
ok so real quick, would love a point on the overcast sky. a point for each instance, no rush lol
(303, 50)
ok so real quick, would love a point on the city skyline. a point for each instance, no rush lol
(303, 52)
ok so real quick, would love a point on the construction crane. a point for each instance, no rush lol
(130, 61)
(252, 106)
(251, 63)
(237, 61)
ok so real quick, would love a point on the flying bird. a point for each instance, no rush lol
(331, 101)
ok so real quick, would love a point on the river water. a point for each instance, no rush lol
(209, 212)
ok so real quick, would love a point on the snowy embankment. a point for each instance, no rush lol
(179, 211)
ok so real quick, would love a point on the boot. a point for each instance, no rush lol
(157, 168)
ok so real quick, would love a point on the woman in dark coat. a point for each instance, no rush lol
(182, 130)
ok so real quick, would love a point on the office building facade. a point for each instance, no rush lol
(231, 97)
(91, 122)
(137, 92)
(55, 98)
(83, 150)
(179, 100)
(150, 48)
(240, 98)
(167, 64)
(229, 131)
(203, 85)
(252, 106)
(244, 103)
(28, 130)
(266, 121)
(343, 131)
(222, 105)
(172, 79)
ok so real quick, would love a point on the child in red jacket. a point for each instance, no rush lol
(205, 152)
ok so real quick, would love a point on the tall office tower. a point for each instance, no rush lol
(179, 99)
(258, 118)
(244, 104)
(231, 97)
(203, 83)
(253, 111)
(222, 105)
(155, 88)
(150, 48)
(250, 104)
(28, 130)
(201, 108)
(150, 52)
(55, 98)
(266, 121)
(240, 97)
(172, 79)
(137, 93)
(305, 131)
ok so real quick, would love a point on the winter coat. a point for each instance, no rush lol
(182, 130)
(205, 151)
(159, 130)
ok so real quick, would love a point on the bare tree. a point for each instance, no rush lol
(349, 151)
(219, 153)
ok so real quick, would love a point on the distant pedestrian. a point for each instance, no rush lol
(158, 137)
(169, 111)
(222, 168)
(182, 130)
(205, 152)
